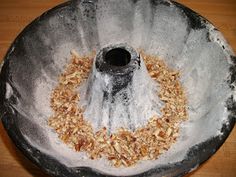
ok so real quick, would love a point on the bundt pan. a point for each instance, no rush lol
(182, 38)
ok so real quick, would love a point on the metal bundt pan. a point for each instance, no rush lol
(181, 37)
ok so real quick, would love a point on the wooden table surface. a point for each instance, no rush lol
(16, 14)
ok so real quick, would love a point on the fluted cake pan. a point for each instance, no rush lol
(182, 38)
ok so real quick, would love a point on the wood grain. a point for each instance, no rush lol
(15, 15)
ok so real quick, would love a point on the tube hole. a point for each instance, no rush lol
(118, 57)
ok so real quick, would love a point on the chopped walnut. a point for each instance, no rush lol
(123, 147)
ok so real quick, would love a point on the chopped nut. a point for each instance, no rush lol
(156, 133)
(117, 148)
(144, 150)
(168, 132)
(124, 147)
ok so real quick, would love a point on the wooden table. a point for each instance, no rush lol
(16, 14)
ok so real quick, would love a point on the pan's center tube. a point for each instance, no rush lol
(119, 91)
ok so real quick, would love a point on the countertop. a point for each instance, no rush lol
(16, 14)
